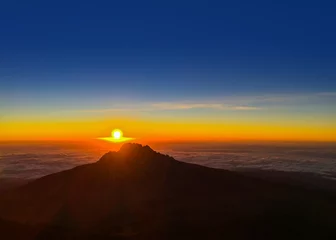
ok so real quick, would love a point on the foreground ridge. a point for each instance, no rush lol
(138, 193)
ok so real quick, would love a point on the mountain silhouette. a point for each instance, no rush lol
(137, 193)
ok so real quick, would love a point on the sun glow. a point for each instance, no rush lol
(116, 137)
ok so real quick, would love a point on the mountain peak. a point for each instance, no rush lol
(134, 153)
(134, 148)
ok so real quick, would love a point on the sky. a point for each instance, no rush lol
(168, 70)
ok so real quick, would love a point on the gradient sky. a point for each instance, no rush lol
(180, 70)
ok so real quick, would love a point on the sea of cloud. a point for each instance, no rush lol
(319, 159)
(28, 161)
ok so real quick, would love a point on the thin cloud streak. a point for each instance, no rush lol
(170, 106)
(239, 103)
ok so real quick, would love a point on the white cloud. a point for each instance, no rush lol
(185, 105)
(236, 103)
(246, 108)
(162, 106)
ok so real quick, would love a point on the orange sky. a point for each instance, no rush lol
(291, 117)
(159, 130)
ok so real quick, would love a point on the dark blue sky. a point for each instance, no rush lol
(165, 49)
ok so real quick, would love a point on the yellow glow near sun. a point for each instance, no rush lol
(116, 137)
(117, 134)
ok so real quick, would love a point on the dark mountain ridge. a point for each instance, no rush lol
(137, 193)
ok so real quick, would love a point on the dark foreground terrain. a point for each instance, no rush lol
(137, 193)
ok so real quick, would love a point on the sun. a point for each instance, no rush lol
(116, 137)
(117, 134)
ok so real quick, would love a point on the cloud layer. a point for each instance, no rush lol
(39, 160)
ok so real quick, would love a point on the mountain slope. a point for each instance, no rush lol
(137, 193)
